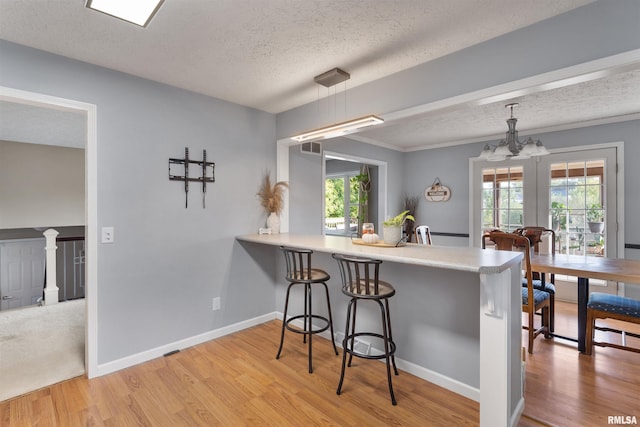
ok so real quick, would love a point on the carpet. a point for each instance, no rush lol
(40, 346)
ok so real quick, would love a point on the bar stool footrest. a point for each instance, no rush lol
(347, 341)
(297, 330)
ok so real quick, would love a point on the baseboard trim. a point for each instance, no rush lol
(451, 384)
(433, 377)
(135, 359)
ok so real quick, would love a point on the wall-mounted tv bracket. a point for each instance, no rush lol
(207, 169)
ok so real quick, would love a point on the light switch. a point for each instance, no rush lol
(107, 234)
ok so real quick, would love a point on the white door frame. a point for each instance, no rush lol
(91, 208)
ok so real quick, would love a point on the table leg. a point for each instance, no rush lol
(583, 298)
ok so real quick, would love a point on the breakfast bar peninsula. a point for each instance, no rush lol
(456, 313)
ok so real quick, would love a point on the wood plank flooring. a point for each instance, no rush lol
(236, 381)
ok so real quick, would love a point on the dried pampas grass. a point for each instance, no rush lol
(271, 196)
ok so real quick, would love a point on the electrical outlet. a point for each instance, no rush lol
(107, 234)
(215, 304)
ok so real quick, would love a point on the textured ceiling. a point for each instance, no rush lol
(264, 54)
(608, 99)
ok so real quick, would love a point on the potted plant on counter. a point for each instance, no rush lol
(392, 228)
(272, 200)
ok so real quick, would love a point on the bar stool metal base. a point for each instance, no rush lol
(307, 319)
(351, 335)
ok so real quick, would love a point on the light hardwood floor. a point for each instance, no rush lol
(235, 380)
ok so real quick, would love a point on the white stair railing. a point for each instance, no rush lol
(50, 288)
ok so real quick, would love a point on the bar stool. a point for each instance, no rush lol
(299, 272)
(360, 282)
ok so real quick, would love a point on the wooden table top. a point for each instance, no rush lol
(616, 269)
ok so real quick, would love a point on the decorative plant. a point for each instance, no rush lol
(410, 203)
(594, 213)
(398, 220)
(364, 187)
(558, 216)
(272, 196)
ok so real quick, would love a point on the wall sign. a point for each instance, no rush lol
(437, 192)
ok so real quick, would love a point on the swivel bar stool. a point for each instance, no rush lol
(299, 272)
(360, 282)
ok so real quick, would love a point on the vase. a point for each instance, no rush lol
(391, 235)
(273, 222)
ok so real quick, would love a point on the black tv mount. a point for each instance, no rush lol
(207, 170)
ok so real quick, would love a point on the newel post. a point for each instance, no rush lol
(51, 289)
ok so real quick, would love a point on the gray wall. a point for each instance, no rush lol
(40, 185)
(157, 281)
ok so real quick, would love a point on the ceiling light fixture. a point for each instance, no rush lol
(338, 129)
(138, 12)
(511, 147)
(328, 79)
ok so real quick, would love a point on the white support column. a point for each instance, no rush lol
(501, 394)
(51, 289)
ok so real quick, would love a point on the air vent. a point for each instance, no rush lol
(311, 148)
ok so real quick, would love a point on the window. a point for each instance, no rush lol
(341, 204)
(502, 198)
(577, 206)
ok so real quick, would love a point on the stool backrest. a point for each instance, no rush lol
(298, 263)
(360, 276)
(423, 235)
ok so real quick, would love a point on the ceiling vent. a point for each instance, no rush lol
(311, 148)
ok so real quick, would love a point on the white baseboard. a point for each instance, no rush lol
(433, 377)
(451, 384)
(134, 359)
(517, 414)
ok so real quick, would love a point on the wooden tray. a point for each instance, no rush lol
(379, 244)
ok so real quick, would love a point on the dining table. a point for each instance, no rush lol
(584, 268)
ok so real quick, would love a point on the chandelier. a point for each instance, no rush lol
(511, 147)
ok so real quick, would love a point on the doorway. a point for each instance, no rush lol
(26, 98)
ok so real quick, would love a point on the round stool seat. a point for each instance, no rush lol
(362, 289)
(303, 276)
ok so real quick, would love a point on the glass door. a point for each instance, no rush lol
(577, 198)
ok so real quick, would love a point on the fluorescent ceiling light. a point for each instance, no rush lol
(138, 12)
(338, 129)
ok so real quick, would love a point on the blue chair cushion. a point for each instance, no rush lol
(614, 304)
(538, 296)
(537, 284)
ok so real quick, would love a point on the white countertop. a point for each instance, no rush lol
(473, 260)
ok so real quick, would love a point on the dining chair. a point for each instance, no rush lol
(607, 306)
(423, 235)
(533, 300)
(299, 272)
(543, 240)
